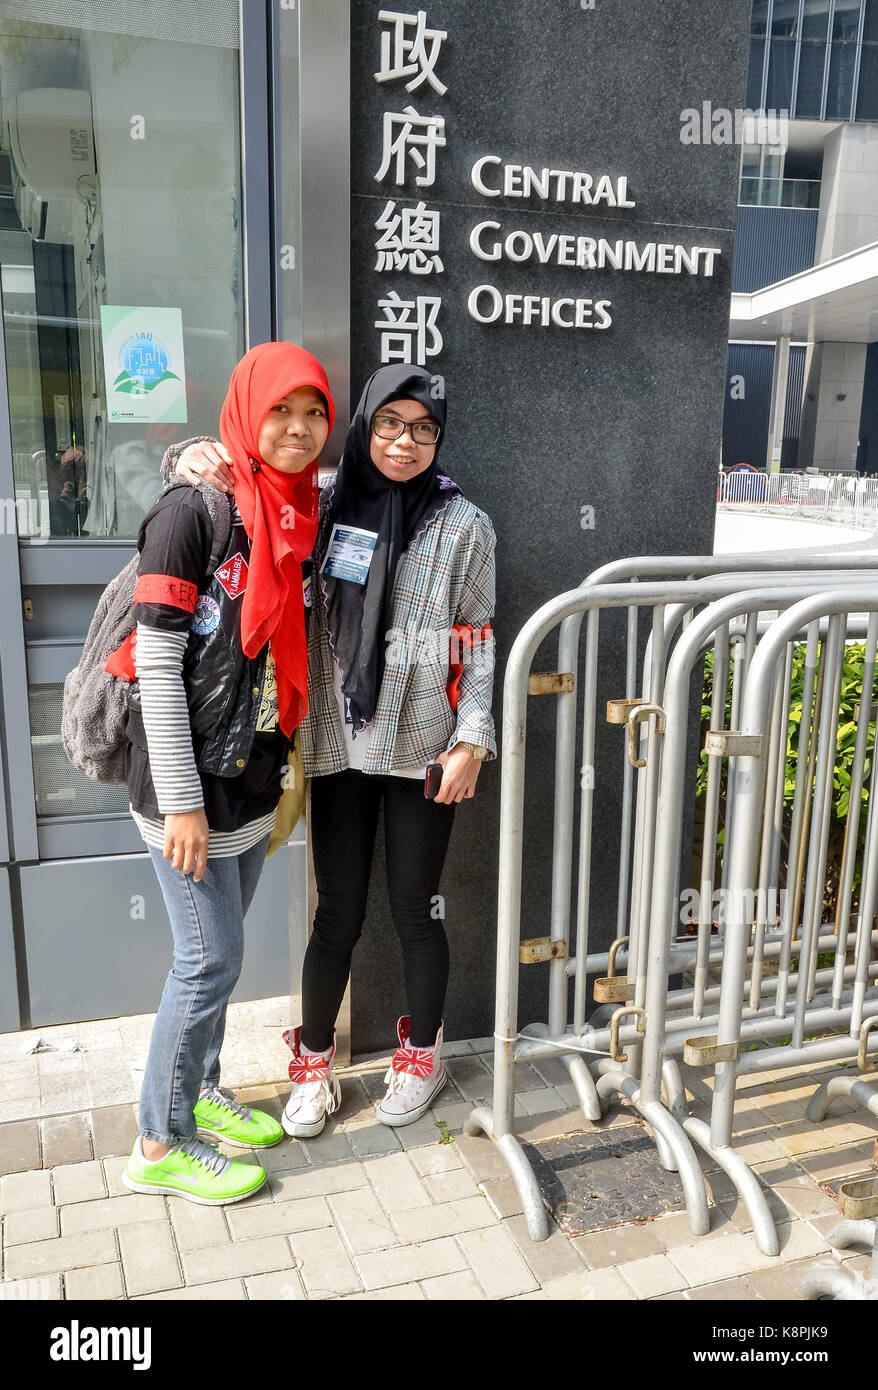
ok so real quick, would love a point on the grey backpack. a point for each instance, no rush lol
(95, 709)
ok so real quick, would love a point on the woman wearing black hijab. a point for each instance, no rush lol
(401, 560)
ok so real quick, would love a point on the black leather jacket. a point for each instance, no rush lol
(223, 686)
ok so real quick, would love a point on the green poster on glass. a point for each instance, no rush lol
(143, 364)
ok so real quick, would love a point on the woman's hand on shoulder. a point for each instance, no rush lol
(460, 772)
(208, 462)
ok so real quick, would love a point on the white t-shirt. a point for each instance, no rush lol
(358, 747)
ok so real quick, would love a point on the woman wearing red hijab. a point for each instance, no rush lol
(221, 685)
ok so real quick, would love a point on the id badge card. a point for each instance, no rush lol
(349, 553)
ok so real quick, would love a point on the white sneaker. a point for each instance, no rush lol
(316, 1091)
(415, 1076)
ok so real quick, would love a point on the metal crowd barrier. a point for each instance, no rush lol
(843, 497)
(750, 615)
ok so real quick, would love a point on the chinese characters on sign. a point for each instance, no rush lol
(409, 236)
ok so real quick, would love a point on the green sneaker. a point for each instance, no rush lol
(195, 1171)
(219, 1114)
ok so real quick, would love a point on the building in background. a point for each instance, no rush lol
(802, 376)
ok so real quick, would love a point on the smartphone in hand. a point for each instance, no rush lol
(433, 780)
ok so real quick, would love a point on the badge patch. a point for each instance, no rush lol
(206, 617)
(233, 575)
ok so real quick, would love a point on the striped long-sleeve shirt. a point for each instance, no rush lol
(158, 665)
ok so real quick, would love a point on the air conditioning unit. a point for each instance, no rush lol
(49, 134)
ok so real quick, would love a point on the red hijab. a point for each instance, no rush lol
(279, 512)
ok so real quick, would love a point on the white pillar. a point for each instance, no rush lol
(778, 408)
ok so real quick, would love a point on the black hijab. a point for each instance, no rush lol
(358, 616)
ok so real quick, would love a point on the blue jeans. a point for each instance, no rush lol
(207, 921)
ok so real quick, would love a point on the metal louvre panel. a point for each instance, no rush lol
(211, 22)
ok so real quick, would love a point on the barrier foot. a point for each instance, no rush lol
(839, 1284)
(586, 1090)
(749, 1188)
(853, 1233)
(849, 1086)
(535, 1214)
(673, 1136)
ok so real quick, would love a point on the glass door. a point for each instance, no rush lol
(121, 232)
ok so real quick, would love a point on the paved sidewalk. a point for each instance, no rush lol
(367, 1212)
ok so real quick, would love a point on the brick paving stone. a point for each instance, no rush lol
(134, 1208)
(284, 1285)
(535, 1128)
(113, 1168)
(318, 1182)
(57, 1256)
(435, 1159)
(22, 1191)
(196, 1227)
(78, 1182)
(224, 1290)
(726, 1290)
(837, 1163)
(462, 1287)
(362, 1221)
(452, 1186)
(652, 1276)
(482, 1157)
(114, 1129)
(797, 1239)
(549, 1259)
(494, 1258)
(98, 1282)
(620, 1245)
(471, 1078)
(374, 1139)
(503, 1196)
(449, 1113)
(286, 1157)
(66, 1139)
(412, 1262)
(44, 1288)
(542, 1101)
(20, 1080)
(397, 1293)
(449, 1219)
(423, 1133)
(599, 1284)
(782, 1282)
(325, 1268)
(19, 1146)
(331, 1146)
(397, 1183)
(277, 1218)
(149, 1258)
(239, 1259)
(674, 1231)
(552, 1070)
(708, 1261)
(40, 1223)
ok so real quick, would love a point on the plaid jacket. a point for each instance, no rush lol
(446, 576)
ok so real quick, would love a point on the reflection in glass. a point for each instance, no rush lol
(815, 21)
(809, 90)
(840, 88)
(754, 74)
(119, 187)
(781, 66)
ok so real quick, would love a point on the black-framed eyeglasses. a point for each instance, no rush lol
(391, 427)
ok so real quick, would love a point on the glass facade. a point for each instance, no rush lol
(120, 253)
(822, 58)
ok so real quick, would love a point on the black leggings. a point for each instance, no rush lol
(344, 819)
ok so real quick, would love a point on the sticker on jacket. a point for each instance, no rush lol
(266, 719)
(206, 617)
(232, 574)
(306, 591)
(349, 554)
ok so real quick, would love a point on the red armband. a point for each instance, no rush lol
(462, 644)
